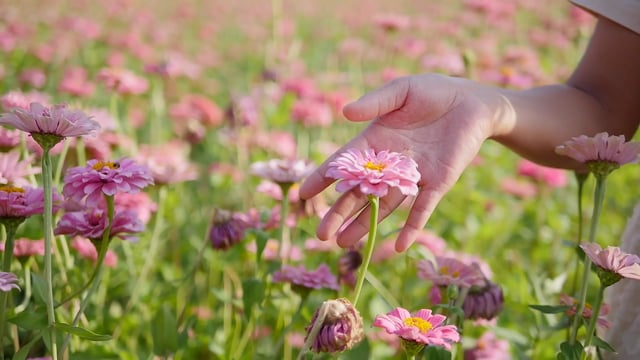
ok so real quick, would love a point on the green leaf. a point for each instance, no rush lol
(360, 351)
(253, 291)
(81, 332)
(164, 329)
(436, 353)
(39, 288)
(261, 238)
(570, 352)
(551, 309)
(31, 320)
(25, 349)
(601, 343)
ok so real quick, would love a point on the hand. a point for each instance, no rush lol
(439, 121)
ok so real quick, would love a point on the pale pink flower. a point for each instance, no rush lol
(274, 191)
(422, 327)
(175, 65)
(105, 177)
(374, 173)
(601, 148)
(312, 112)
(552, 177)
(75, 81)
(22, 100)
(392, 22)
(321, 278)
(169, 162)
(15, 171)
(613, 260)
(488, 347)
(446, 271)
(33, 77)
(9, 138)
(283, 171)
(8, 281)
(281, 143)
(24, 247)
(88, 250)
(140, 203)
(521, 189)
(123, 81)
(57, 120)
(194, 115)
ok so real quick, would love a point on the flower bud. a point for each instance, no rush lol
(484, 302)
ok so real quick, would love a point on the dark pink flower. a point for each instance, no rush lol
(17, 202)
(299, 276)
(105, 177)
(374, 173)
(447, 271)
(57, 120)
(92, 223)
(227, 229)
(422, 327)
(8, 281)
(483, 302)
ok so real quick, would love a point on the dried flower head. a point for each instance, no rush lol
(484, 302)
(336, 326)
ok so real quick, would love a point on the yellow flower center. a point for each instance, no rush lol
(11, 189)
(373, 166)
(445, 271)
(110, 164)
(422, 324)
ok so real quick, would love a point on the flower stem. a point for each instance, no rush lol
(594, 317)
(10, 229)
(285, 239)
(313, 333)
(597, 206)
(47, 177)
(368, 251)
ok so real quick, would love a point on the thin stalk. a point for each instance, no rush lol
(285, 234)
(374, 201)
(579, 236)
(313, 333)
(593, 321)
(47, 177)
(597, 207)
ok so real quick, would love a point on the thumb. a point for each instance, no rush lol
(390, 97)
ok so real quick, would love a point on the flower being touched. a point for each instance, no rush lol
(422, 327)
(283, 172)
(50, 125)
(8, 281)
(336, 326)
(374, 173)
(613, 264)
(602, 153)
(105, 177)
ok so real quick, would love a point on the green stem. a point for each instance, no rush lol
(579, 236)
(373, 227)
(313, 333)
(10, 229)
(593, 321)
(597, 207)
(47, 177)
(285, 239)
(95, 280)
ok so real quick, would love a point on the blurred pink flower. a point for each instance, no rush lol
(8, 281)
(588, 310)
(123, 81)
(613, 261)
(57, 120)
(282, 143)
(194, 115)
(75, 81)
(274, 191)
(374, 173)
(33, 77)
(168, 163)
(9, 138)
(24, 247)
(272, 251)
(321, 278)
(105, 177)
(91, 223)
(174, 65)
(88, 250)
(552, 177)
(14, 171)
(488, 347)
(140, 203)
(521, 189)
(445, 271)
(600, 148)
(283, 171)
(392, 22)
(421, 327)
(312, 112)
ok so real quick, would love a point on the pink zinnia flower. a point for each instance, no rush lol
(312, 112)
(57, 120)
(26, 247)
(374, 173)
(92, 223)
(105, 177)
(554, 178)
(15, 171)
(8, 281)
(488, 347)
(422, 327)
(449, 271)
(168, 163)
(17, 202)
(602, 148)
(87, 250)
(9, 138)
(613, 263)
(123, 81)
(301, 277)
(281, 171)
(75, 81)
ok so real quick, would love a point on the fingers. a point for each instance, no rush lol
(341, 212)
(361, 224)
(419, 214)
(388, 98)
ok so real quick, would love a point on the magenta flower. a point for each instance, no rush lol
(374, 173)
(603, 153)
(422, 327)
(8, 281)
(15, 171)
(56, 120)
(340, 328)
(613, 263)
(449, 271)
(17, 202)
(301, 277)
(282, 171)
(227, 229)
(105, 177)
(92, 223)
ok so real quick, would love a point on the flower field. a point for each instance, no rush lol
(153, 152)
